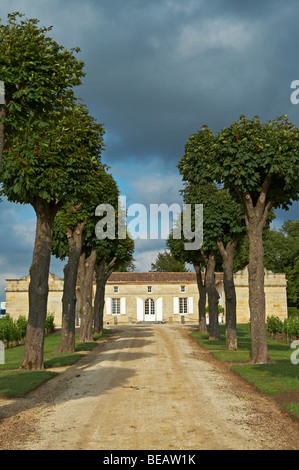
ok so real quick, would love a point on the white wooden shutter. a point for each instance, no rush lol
(190, 305)
(159, 309)
(108, 306)
(176, 305)
(123, 305)
(139, 309)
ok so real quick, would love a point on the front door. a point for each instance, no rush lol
(149, 310)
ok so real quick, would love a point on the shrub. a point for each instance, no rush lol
(14, 331)
(293, 312)
(274, 325)
(290, 326)
(220, 309)
(49, 325)
(9, 331)
(22, 326)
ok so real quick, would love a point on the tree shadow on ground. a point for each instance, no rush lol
(95, 373)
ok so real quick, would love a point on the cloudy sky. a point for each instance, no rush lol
(156, 71)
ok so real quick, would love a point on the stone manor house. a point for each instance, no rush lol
(168, 297)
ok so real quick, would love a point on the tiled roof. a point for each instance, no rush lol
(156, 277)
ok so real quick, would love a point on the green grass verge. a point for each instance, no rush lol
(292, 408)
(271, 378)
(278, 377)
(16, 383)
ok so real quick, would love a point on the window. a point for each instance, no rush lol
(183, 288)
(115, 289)
(149, 307)
(115, 306)
(183, 305)
(149, 289)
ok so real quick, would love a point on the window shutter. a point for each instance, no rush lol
(108, 306)
(176, 305)
(123, 305)
(159, 309)
(139, 309)
(190, 302)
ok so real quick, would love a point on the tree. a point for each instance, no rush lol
(74, 226)
(113, 255)
(47, 167)
(176, 246)
(86, 270)
(223, 226)
(217, 221)
(166, 262)
(281, 248)
(38, 75)
(67, 243)
(232, 231)
(290, 256)
(258, 163)
(92, 250)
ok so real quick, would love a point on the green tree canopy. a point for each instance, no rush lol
(48, 166)
(51, 162)
(38, 74)
(166, 262)
(259, 164)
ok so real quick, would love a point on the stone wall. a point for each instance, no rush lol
(17, 302)
(275, 293)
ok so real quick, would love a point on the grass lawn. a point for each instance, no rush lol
(278, 377)
(16, 383)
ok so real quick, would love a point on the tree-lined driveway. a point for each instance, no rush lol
(148, 387)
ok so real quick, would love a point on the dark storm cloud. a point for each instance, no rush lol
(157, 70)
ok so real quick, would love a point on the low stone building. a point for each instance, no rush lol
(154, 297)
(17, 301)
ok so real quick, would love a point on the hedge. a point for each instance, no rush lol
(289, 327)
(14, 331)
(293, 312)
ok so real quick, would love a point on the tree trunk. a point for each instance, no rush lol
(213, 297)
(256, 218)
(39, 285)
(80, 280)
(86, 292)
(230, 294)
(99, 301)
(202, 324)
(103, 272)
(67, 343)
(256, 273)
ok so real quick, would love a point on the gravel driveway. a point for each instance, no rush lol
(149, 387)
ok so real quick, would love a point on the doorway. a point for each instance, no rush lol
(149, 310)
